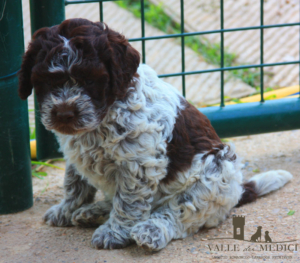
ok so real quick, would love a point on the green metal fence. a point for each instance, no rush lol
(15, 170)
(233, 120)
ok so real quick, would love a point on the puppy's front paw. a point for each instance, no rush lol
(58, 215)
(105, 237)
(149, 236)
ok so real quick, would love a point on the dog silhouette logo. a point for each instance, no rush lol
(238, 223)
(267, 237)
(257, 236)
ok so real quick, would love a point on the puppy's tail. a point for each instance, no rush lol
(262, 184)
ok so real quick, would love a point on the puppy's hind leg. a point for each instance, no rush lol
(176, 219)
(203, 204)
(92, 215)
(77, 192)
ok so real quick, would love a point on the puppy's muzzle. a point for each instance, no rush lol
(64, 114)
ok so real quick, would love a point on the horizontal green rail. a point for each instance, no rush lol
(229, 68)
(214, 31)
(254, 118)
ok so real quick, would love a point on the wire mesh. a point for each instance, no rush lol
(221, 31)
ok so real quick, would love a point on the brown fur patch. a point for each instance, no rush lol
(192, 134)
(249, 194)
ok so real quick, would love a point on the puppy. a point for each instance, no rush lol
(163, 169)
(257, 235)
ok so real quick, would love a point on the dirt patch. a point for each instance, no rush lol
(24, 238)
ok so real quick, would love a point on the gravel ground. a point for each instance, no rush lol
(24, 237)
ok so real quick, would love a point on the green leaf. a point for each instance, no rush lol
(256, 170)
(291, 212)
(36, 175)
(42, 173)
(46, 164)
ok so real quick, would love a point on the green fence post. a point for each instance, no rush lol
(45, 13)
(15, 169)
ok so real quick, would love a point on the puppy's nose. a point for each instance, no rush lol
(65, 115)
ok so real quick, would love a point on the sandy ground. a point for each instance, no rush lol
(25, 238)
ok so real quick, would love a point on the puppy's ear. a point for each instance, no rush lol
(29, 60)
(122, 58)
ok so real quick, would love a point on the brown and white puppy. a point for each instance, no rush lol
(161, 166)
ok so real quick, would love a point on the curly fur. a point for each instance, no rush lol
(160, 164)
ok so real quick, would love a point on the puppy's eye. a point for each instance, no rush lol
(89, 82)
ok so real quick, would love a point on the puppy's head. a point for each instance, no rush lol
(78, 69)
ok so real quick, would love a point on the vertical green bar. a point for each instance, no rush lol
(182, 46)
(222, 52)
(101, 10)
(15, 169)
(143, 30)
(261, 51)
(45, 13)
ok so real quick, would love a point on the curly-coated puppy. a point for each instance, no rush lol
(163, 169)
